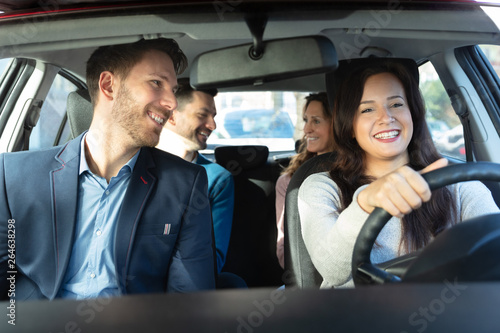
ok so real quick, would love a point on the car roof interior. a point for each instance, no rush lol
(221, 29)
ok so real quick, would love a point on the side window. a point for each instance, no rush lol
(492, 52)
(4, 63)
(488, 64)
(444, 124)
(52, 127)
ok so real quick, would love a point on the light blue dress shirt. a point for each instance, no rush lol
(91, 269)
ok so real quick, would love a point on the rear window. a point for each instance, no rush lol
(269, 118)
(260, 123)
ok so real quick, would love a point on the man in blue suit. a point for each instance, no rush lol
(107, 214)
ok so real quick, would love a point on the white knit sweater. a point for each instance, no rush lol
(329, 236)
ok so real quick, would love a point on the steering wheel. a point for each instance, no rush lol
(364, 272)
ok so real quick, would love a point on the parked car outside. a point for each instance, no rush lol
(451, 142)
(268, 127)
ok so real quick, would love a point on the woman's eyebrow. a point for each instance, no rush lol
(394, 97)
(388, 98)
(366, 102)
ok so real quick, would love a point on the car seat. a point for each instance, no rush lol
(299, 269)
(252, 247)
(79, 111)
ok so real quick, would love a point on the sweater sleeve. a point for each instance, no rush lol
(329, 236)
(475, 200)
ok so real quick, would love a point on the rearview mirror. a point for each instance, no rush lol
(281, 59)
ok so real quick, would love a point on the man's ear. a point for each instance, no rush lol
(172, 118)
(107, 84)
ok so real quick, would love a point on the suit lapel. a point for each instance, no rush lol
(64, 191)
(142, 182)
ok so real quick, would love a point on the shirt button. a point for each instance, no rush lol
(92, 275)
(107, 192)
(98, 232)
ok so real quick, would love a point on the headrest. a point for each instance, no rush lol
(236, 158)
(80, 111)
(349, 66)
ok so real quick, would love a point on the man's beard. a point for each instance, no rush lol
(129, 115)
(197, 145)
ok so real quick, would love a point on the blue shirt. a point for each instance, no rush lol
(221, 196)
(91, 269)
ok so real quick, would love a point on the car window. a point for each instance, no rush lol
(47, 133)
(3, 66)
(444, 124)
(270, 118)
(492, 52)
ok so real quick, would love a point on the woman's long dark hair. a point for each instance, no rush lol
(348, 171)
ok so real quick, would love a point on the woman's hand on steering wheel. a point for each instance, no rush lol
(400, 191)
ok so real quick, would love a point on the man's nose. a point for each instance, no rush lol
(211, 125)
(168, 100)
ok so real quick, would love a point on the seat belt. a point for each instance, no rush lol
(31, 119)
(467, 137)
(462, 111)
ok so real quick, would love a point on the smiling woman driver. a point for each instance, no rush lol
(381, 139)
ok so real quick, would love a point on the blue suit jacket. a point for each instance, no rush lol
(39, 191)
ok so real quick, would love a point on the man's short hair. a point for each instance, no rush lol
(119, 59)
(184, 93)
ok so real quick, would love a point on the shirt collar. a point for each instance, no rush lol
(85, 167)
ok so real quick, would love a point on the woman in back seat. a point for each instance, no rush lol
(318, 139)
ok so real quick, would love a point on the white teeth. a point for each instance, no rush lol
(156, 118)
(387, 135)
(312, 139)
(204, 134)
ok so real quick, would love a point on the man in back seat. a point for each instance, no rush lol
(185, 133)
